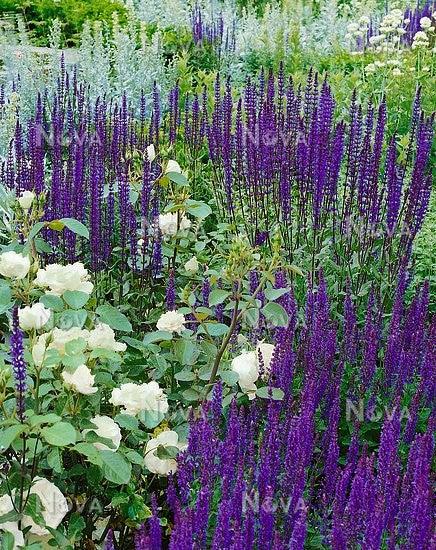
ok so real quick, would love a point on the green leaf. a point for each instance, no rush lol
(274, 293)
(218, 296)
(91, 452)
(185, 376)
(165, 453)
(266, 392)
(52, 302)
(34, 508)
(197, 208)
(9, 516)
(119, 498)
(296, 270)
(151, 419)
(76, 227)
(8, 540)
(178, 178)
(215, 329)
(60, 538)
(114, 318)
(75, 346)
(38, 419)
(229, 377)
(9, 435)
(75, 299)
(36, 229)
(135, 458)
(54, 460)
(76, 524)
(156, 336)
(60, 434)
(186, 352)
(251, 316)
(191, 395)
(133, 343)
(116, 468)
(126, 421)
(275, 314)
(5, 298)
(72, 318)
(92, 437)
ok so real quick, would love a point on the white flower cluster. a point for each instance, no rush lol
(359, 29)
(422, 37)
(81, 380)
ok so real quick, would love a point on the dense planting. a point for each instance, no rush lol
(216, 289)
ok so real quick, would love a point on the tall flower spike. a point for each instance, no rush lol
(18, 364)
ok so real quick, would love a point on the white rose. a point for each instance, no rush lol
(13, 265)
(61, 337)
(139, 397)
(171, 321)
(168, 224)
(192, 265)
(158, 465)
(33, 317)
(173, 166)
(81, 380)
(26, 199)
(59, 278)
(104, 337)
(55, 506)
(247, 366)
(425, 22)
(6, 506)
(107, 428)
(151, 153)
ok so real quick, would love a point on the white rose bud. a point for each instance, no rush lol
(107, 428)
(162, 466)
(13, 265)
(54, 506)
(104, 337)
(26, 199)
(171, 321)
(192, 265)
(33, 317)
(151, 153)
(139, 397)
(81, 380)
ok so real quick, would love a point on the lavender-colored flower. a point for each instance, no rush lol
(18, 364)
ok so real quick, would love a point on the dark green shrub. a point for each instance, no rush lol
(39, 14)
